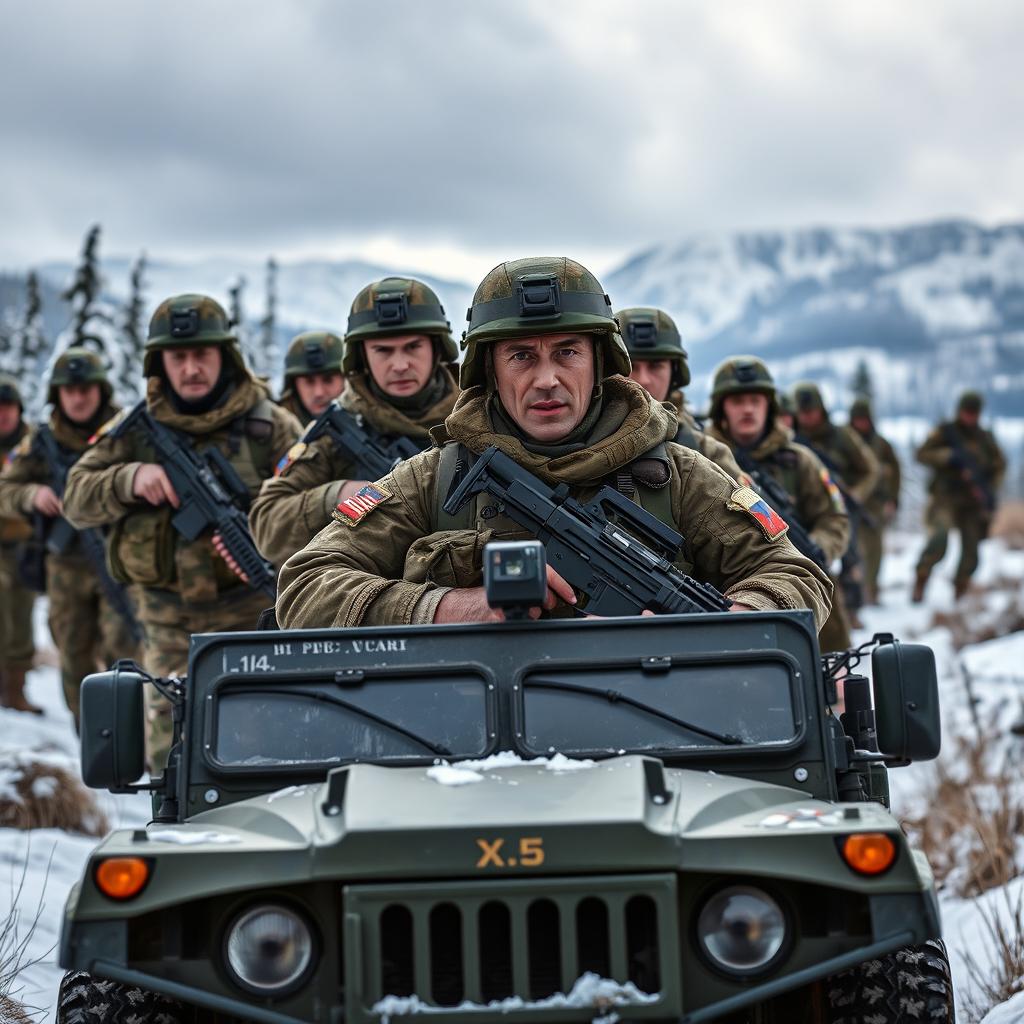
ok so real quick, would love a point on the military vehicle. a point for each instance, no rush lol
(644, 819)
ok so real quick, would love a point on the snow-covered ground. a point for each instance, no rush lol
(39, 868)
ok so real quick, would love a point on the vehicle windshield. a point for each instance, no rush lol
(317, 721)
(681, 706)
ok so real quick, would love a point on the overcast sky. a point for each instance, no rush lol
(447, 135)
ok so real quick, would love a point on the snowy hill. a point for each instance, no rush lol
(930, 308)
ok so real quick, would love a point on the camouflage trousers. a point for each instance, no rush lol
(835, 634)
(940, 519)
(88, 634)
(169, 623)
(869, 543)
(17, 645)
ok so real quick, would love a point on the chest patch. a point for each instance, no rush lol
(835, 495)
(353, 510)
(772, 524)
(295, 452)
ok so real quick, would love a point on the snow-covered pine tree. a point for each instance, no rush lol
(88, 318)
(236, 312)
(130, 380)
(266, 364)
(28, 345)
(861, 384)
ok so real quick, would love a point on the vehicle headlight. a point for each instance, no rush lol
(741, 929)
(269, 948)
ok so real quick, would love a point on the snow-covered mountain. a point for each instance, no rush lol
(930, 308)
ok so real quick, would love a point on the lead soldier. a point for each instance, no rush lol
(546, 381)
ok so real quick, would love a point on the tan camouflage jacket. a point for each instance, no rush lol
(847, 455)
(692, 435)
(947, 483)
(887, 490)
(294, 506)
(289, 401)
(382, 560)
(12, 529)
(144, 547)
(816, 500)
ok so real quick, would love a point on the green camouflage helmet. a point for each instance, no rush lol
(78, 366)
(742, 375)
(540, 295)
(9, 391)
(313, 352)
(971, 401)
(860, 407)
(652, 334)
(807, 396)
(396, 305)
(189, 321)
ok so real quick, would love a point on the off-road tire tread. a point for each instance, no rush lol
(84, 999)
(911, 986)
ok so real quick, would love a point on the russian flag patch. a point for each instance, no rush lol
(365, 500)
(295, 452)
(747, 500)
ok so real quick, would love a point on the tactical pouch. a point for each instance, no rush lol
(141, 549)
(448, 559)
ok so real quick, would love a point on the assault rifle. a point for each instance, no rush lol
(210, 492)
(976, 478)
(370, 455)
(780, 500)
(610, 549)
(60, 534)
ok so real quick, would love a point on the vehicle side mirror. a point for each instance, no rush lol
(113, 727)
(906, 691)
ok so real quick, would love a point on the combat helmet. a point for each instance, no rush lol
(652, 334)
(313, 352)
(971, 401)
(188, 321)
(807, 396)
(540, 295)
(741, 375)
(860, 407)
(396, 305)
(9, 391)
(78, 366)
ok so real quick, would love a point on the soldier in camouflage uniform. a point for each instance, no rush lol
(546, 380)
(197, 383)
(17, 646)
(312, 374)
(883, 501)
(660, 365)
(397, 350)
(967, 471)
(88, 633)
(744, 411)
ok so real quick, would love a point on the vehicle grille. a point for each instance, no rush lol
(480, 942)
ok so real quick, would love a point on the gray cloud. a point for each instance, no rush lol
(199, 127)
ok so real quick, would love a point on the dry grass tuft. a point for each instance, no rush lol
(1008, 524)
(12, 1012)
(996, 979)
(41, 791)
(971, 621)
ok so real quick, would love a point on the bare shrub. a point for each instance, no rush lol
(14, 945)
(1008, 524)
(995, 979)
(38, 790)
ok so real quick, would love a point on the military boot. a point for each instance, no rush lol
(12, 692)
(917, 595)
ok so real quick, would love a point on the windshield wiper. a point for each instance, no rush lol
(327, 698)
(617, 697)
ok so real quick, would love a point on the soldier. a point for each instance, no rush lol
(198, 385)
(543, 359)
(744, 415)
(87, 631)
(882, 502)
(967, 471)
(17, 646)
(397, 349)
(312, 374)
(660, 365)
(784, 417)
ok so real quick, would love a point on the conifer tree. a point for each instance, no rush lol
(28, 345)
(130, 380)
(82, 294)
(267, 362)
(862, 385)
(236, 312)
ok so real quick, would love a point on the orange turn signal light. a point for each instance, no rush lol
(122, 878)
(869, 853)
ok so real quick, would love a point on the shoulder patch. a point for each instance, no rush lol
(353, 510)
(746, 500)
(835, 495)
(107, 427)
(296, 451)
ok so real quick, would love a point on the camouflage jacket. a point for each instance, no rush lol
(887, 489)
(289, 401)
(144, 547)
(947, 483)
(818, 505)
(691, 435)
(297, 504)
(846, 456)
(383, 560)
(12, 528)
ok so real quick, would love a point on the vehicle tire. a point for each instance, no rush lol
(86, 1000)
(911, 986)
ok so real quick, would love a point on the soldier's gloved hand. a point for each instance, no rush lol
(469, 604)
(350, 487)
(46, 502)
(152, 484)
(222, 550)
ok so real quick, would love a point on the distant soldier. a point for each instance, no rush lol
(17, 647)
(312, 374)
(398, 348)
(661, 367)
(785, 417)
(199, 387)
(744, 411)
(968, 468)
(88, 632)
(883, 501)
